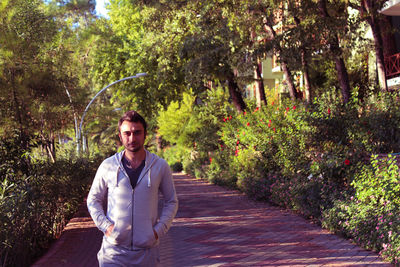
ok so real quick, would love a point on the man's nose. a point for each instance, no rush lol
(132, 138)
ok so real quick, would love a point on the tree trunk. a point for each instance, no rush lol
(235, 94)
(340, 67)
(289, 80)
(378, 43)
(283, 62)
(343, 78)
(260, 84)
(304, 64)
(307, 84)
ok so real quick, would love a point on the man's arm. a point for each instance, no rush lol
(170, 207)
(95, 202)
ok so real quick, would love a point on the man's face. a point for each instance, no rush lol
(132, 136)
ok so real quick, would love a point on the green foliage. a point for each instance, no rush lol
(36, 201)
(250, 171)
(311, 159)
(374, 227)
(219, 171)
(379, 183)
(176, 123)
(175, 156)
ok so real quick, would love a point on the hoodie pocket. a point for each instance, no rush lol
(120, 213)
(143, 234)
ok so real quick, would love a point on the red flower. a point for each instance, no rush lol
(274, 129)
(210, 160)
(329, 111)
(257, 108)
(294, 107)
(237, 142)
(269, 124)
(347, 162)
(287, 109)
(244, 113)
(224, 119)
(248, 124)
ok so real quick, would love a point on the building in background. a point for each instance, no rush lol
(392, 57)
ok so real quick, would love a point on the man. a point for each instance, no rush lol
(128, 183)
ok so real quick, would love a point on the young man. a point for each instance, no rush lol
(128, 183)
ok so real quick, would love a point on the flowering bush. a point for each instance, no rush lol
(311, 158)
(371, 217)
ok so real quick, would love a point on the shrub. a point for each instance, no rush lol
(251, 174)
(177, 167)
(371, 216)
(36, 203)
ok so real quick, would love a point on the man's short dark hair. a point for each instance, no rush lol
(132, 116)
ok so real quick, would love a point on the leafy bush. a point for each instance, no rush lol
(371, 217)
(36, 202)
(219, 171)
(177, 167)
(310, 158)
(251, 174)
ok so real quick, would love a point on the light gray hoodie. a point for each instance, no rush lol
(133, 212)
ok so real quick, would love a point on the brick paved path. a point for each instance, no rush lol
(218, 227)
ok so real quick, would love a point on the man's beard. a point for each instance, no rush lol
(133, 148)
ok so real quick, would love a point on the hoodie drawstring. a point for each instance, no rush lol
(116, 178)
(149, 179)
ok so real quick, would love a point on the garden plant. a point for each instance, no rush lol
(329, 162)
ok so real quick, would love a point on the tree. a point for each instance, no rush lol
(37, 41)
(369, 12)
(334, 47)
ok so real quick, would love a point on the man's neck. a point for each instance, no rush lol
(135, 157)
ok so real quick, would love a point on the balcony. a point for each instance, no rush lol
(392, 65)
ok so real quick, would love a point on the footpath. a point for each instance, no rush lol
(220, 227)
